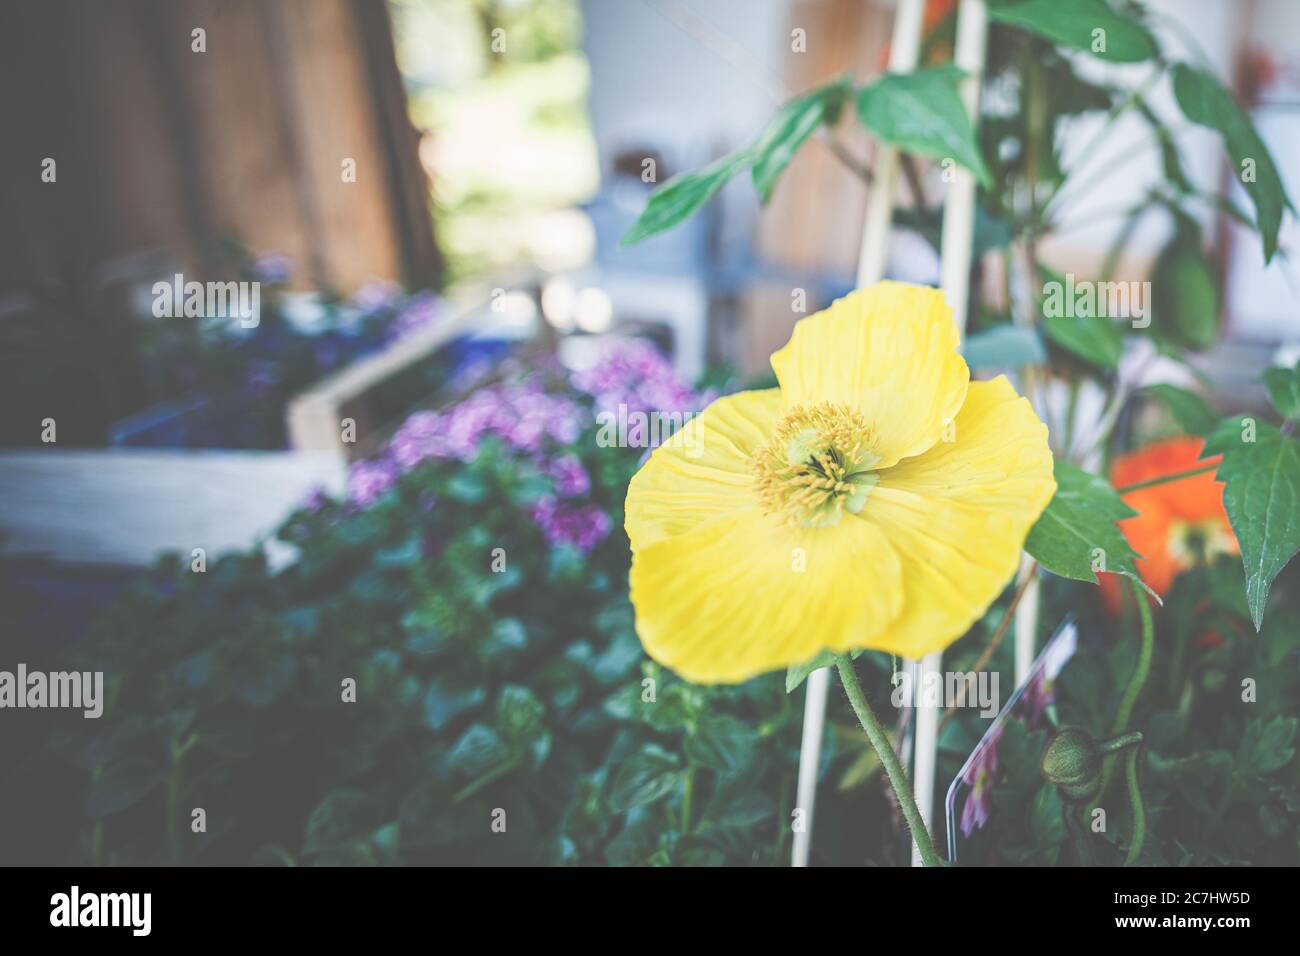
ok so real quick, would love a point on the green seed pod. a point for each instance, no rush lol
(1072, 764)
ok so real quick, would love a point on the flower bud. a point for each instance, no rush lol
(1072, 764)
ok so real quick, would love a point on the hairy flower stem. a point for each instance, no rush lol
(893, 768)
(1134, 688)
(1135, 804)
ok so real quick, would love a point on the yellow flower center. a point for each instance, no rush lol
(1197, 542)
(817, 466)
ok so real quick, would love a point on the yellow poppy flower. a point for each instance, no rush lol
(877, 499)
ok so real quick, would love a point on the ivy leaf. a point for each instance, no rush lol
(682, 195)
(789, 129)
(1261, 475)
(1205, 102)
(1090, 25)
(1283, 386)
(1004, 346)
(1077, 536)
(922, 113)
(648, 775)
(1193, 413)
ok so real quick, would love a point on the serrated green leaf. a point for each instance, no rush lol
(1262, 497)
(789, 129)
(1283, 386)
(1205, 102)
(1192, 412)
(682, 195)
(1077, 531)
(1004, 347)
(922, 113)
(1090, 25)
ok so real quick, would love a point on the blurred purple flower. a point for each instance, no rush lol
(979, 777)
(571, 479)
(421, 311)
(1038, 695)
(376, 294)
(368, 480)
(634, 373)
(583, 526)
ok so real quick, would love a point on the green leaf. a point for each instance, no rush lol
(1185, 293)
(789, 129)
(1075, 24)
(1262, 497)
(478, 750)
(1077, 536)
(1092, 338)
(1192, 412)
(1004, 346)
(122, 784)
(682, 195)
(1077, 326)
(1283, 386)
(720, 742)
(1266, 747)
(1205, 102)
(922, 113)
(648, 775)
(338, 819)
(1047, 819)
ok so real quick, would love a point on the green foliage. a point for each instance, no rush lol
(1261, 475)
(922, 113)
(1090, 25)
(1192, 413)
(1077, 536)
(1205, 102)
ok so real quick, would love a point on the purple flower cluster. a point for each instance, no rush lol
(535, 424)
(980, 778)
(583, 526)
(634, 373)
(420, 311)
(520, 414)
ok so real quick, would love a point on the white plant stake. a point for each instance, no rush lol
(903, 51)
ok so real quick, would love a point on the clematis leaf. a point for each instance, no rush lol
(1205, 102)
(790, 128)
(1283, 386)
(1261, 475)
(1076, 536)
(1193, 413)
(921, 112)
(1090, 25)
(682, 195)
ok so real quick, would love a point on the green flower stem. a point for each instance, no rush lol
(1135, 804)
(1143, 668)
(687, 788)
(1166, 479)
(1134, 688)
(897, 775)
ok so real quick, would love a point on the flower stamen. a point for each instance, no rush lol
(817, 466)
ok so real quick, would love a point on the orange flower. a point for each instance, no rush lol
(1178, 524)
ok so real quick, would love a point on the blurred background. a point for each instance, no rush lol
(430, 192)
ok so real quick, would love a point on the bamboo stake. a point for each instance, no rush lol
(904, 48)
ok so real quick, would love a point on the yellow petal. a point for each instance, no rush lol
(959, 514)
(704, 472)
(743, 594)
(888, 351)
